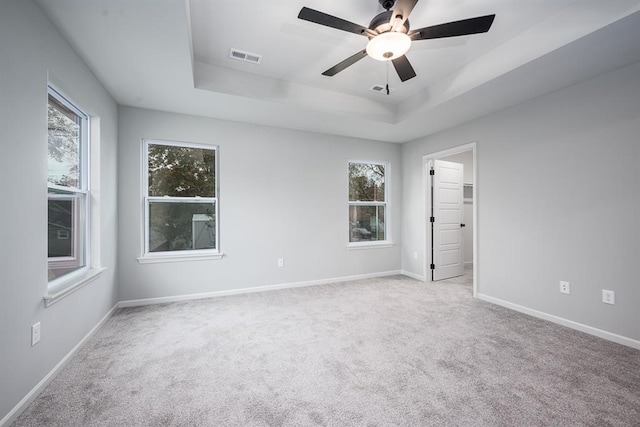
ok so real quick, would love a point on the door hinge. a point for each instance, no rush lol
(432, 219)
(432, 172)
(433, 266)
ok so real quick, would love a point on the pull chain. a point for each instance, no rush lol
(388, 78)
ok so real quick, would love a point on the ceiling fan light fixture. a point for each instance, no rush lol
(388, 46)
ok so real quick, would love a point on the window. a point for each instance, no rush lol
(68, 188)
(181, 199)
(367, 203)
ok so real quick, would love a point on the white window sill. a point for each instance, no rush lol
(369, 245)
(155, 258)
(74, 283)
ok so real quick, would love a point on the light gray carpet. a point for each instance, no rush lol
(379, 352)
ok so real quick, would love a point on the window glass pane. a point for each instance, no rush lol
(177, 226)
(181, 171)
(64, 145)
(366, 182)
(65, 235)
(366, 223)
(61, 218)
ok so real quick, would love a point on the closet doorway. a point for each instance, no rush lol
(450, 216)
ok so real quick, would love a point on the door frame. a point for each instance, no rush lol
(426, 185)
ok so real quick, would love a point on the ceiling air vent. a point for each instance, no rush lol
(245, 56)
(380, 89)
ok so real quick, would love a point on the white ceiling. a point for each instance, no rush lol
(173, 55)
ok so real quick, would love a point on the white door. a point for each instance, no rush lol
(448, 208)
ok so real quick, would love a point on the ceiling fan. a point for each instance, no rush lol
(390, 36)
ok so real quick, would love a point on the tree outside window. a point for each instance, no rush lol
(367, 202)
(181, 197)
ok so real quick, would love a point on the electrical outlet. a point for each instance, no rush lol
(415, 255)
(565, 288)
(280, 262)
(35, 334)
(608, 297)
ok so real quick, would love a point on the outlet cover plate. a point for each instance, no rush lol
(565, 288)
(35, 334)
(608, 297)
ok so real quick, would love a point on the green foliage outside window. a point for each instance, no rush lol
(185, 172)
(366, 182)
(181, 171)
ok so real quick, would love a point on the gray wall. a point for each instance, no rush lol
(283, 194)
(29, 48)
(558, 199)
(558, 187)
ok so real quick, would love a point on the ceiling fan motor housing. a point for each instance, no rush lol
(387, 4)
(381, 23)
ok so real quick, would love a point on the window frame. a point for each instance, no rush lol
(187, 254)
(81, 243)
(387, 242)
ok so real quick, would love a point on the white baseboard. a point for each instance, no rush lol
(31, 396)
(629, 342)
(413, 275)
(215, 294)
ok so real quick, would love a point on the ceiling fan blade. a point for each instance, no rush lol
(481, 24)
(322, 18)
(402, 8)
(403, 68)
(346, 63)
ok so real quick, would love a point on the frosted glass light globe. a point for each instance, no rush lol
(388, 46)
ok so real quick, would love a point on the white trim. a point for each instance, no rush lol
(77, 282)
(176, 199)
(379, 244)
(71, 190)
(474, 210)
(169, 257)
(359, 203)
(216, 294)
(412, 275)
(144, 192)
(185, 144)
(95, 233)
(629, 342)
(33, 394)
(427, 165)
